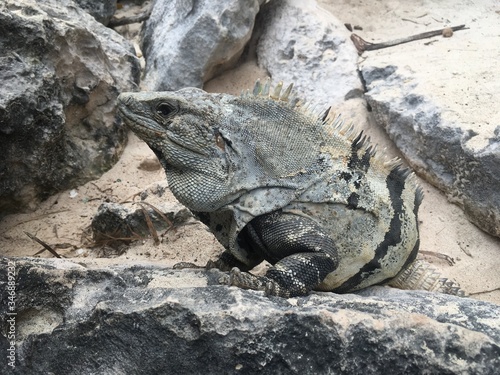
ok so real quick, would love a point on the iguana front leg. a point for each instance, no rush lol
(302, 253)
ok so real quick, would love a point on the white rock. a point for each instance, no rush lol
(303, 43)
(188, 42)
(441, 110)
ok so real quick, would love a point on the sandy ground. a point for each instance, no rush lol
(63, 220)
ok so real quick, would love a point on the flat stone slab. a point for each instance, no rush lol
(438, 100)
(146, 318)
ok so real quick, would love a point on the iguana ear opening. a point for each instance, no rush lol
(219, 140)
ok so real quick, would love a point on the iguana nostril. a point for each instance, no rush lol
(124, 98)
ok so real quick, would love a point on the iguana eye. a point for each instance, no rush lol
(165, 109)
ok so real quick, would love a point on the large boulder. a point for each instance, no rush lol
(439, 103)
(299, 42)
(186, 43)
(61, 72)
(145, 319)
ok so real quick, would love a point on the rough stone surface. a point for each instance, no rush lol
(148, 319)
(314, 51)
(188, 42)
(448, 128)
(116, 223)
(101, 10)
(61, 72)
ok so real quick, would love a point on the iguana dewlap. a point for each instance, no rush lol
(274, 181)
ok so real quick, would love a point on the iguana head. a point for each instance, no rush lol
(181, 130)
(218, 149)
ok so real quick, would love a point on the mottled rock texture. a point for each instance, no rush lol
(313, 51)
(101, 10)
(61, 72)
(188, 42)
(150, 319)
(447, 126)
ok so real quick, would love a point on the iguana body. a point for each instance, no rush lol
(274, 182)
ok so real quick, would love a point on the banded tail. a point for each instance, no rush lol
(421, 275)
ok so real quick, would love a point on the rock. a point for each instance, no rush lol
(144, 319)
(121, 223)
(448, 128)
(313, 51)
(186, 43)
(61, 73)
(101, 10)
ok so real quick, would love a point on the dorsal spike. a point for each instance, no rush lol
(257, 89)
(357, 140)
(338, 122)
(277, 91)
(287, 92)
(392, 163)
(265, 89)
(347, 131)
(325, 114)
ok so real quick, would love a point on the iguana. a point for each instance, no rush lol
(275, 181)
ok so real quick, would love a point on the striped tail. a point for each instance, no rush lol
(421, 275)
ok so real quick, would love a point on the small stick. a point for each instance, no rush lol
(150, 225)
(449, 259)
(162, 215)
(484, 291)
(47, 247)
(362, 45)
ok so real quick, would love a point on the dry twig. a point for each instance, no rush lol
(449, 259)
(47, 247)
(362, 45)
(150, 225)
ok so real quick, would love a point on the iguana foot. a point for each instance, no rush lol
(246, 280)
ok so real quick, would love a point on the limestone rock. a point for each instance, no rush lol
(144, 319)
(186, 43)
(454, 146)
(117, 223)
(61, 73)
(301, 43)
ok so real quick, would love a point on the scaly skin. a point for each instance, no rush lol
(274, 181)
